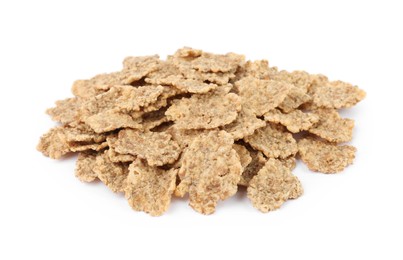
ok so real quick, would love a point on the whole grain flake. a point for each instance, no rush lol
(202, 124)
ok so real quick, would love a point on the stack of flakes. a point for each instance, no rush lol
(202, 124)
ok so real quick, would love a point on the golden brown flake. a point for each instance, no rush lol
(210, 171)
(273, 141)
(332, 127)
(157, 148)
(150, 189)
(262, 96)
(204, 111)
(325, 157)
(295, 121)
(85, 164)
(272, 186)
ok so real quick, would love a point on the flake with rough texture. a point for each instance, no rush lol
(67, 111)
(299, 79)
(210, 171)
(273, 141)
(337, 94)
(150, 189)
(157, 148)
(289, 162)
(258, 69)
(332, 127)
(82, 133)
(184, 137)
(96, 85)
(110, 120)
(245, 124)
(53, 144)
(84, 146)
(262, 96)
(115, 156)
(325, 157)
(244, 155)
(175, 121)
(257, 162)
(272, 186)
(153, 119)
(111, 174)
(85, 164)
(136, 98)
(204, 111)
(142, 64)
(295, 121)
(207, 62)
(295, 98)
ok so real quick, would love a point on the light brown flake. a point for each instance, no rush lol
(136, 98)
(153, 119)
(204, 111)
(67, 111)
(110, 120)
(111, 174)
(244, 125)
(289, 162)
(82, 133)
(261, 96)
(257, 162)
(115, 156)
(184, 137)
(142, 64)
(272, 186)
(337, 94)
(150, 189)
(244, 155)
(207, 62)
(193, 86)
(332, 127)
(295, 121)
(325, 157)
(85, 164)
(157, 148)
(85, 146)
(273, 141)
(295, 98)
(299, 79)
(258, 69)
(96, 85)
(53, 144)
(210, 171)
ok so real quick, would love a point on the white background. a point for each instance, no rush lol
(46, 213)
